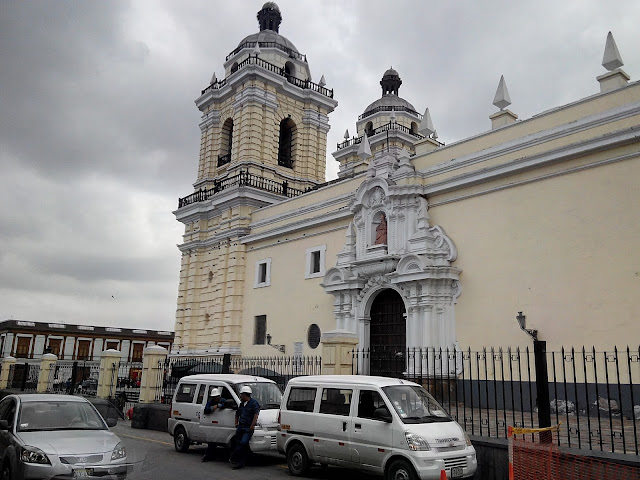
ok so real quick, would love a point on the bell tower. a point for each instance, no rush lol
(263, 139)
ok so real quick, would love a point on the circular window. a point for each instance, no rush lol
(313, 335)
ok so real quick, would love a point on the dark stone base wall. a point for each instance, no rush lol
(493, 458)
(151, 416)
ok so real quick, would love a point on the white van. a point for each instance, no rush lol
(188, 423)
(382, 425)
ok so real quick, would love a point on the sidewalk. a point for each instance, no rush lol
(124, 429)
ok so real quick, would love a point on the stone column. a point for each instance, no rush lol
(337, 348)
(47, 365)
(7, 362)
(152, 369)
(109, 363)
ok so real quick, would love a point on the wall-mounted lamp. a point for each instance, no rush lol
(523, 325)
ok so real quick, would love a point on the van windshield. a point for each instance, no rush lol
(414, 404)
(268, 395)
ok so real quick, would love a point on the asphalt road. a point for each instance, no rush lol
(155, 458)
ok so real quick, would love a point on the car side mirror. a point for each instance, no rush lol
(4, 425)
(383, 414)
(231, 403)
(112, 422)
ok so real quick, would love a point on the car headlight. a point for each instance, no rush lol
(468, 440)
(119, 452)
(33, 455)
(416, 442)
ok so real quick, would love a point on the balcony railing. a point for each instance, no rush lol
(382, 128)
(241, 179)
(304, 84)
(287, 50)
(389, 108)
(224, 159)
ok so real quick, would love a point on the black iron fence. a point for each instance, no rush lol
(280, 369)
(125, 384)
(594, 395)
(24, 376)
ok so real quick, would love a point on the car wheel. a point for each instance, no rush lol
(401, 470)
(6, 471)
(180, 440)
(297, 460)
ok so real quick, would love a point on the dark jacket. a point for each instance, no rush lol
(245, 413)
(208, 408)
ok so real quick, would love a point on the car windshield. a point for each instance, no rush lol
(268, 395)
(414, 404)
(58, 415)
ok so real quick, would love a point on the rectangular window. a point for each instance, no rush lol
(263, 273)
(84, 346)
(22, 349)
(260, 330)
(314, 264)
(301, 399)
(186, 392)
(138, 348)
(368, 402)
(335, 401)
(111, 346)
(55, 345)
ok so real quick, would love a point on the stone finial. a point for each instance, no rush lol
(346, 134)
(612, 58)
(256, 49)
(322, 81)
(214, 79)
(364, 151)
(502, 98)
(426, 126)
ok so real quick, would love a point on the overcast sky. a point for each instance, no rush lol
(99, 132)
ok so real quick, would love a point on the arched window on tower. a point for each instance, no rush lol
(368, 128)
(286, 143)
(414, 128)
(289, 70)
(226, 142)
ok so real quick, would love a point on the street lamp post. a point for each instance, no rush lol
(542, 378)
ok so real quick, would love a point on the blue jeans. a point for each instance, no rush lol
(241, 450)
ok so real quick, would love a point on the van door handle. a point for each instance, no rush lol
(358, 426)
(344, 426)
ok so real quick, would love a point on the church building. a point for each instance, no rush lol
(416, 243)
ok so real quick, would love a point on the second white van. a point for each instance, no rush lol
(383, 425)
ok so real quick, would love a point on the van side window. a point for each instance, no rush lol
(301, 399)
(368, 402)
(226, 394)
(186, 392)
(335, 401)
(201, 394)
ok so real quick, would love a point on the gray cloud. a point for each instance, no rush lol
(99, 134)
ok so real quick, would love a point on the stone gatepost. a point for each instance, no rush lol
(7, 362)
(109, 363)
(47, 367)
(337, 352)
(152, 373)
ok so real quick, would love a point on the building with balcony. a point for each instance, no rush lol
(30, 340)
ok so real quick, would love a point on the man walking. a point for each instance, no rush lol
(246, 419)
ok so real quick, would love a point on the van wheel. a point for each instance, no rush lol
(401, 470)
(180, 440)
(6, 471)
(297, 460)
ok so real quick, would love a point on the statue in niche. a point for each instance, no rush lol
(381, 231)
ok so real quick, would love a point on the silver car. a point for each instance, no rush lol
(57, 437)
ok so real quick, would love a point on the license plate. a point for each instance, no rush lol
(82, 473)
(456, 472)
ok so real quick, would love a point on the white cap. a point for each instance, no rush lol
(214, 392)
(246, 389)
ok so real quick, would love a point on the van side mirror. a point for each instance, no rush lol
(112, 422)
(4, 425)
(231, 403)
(383, 414)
